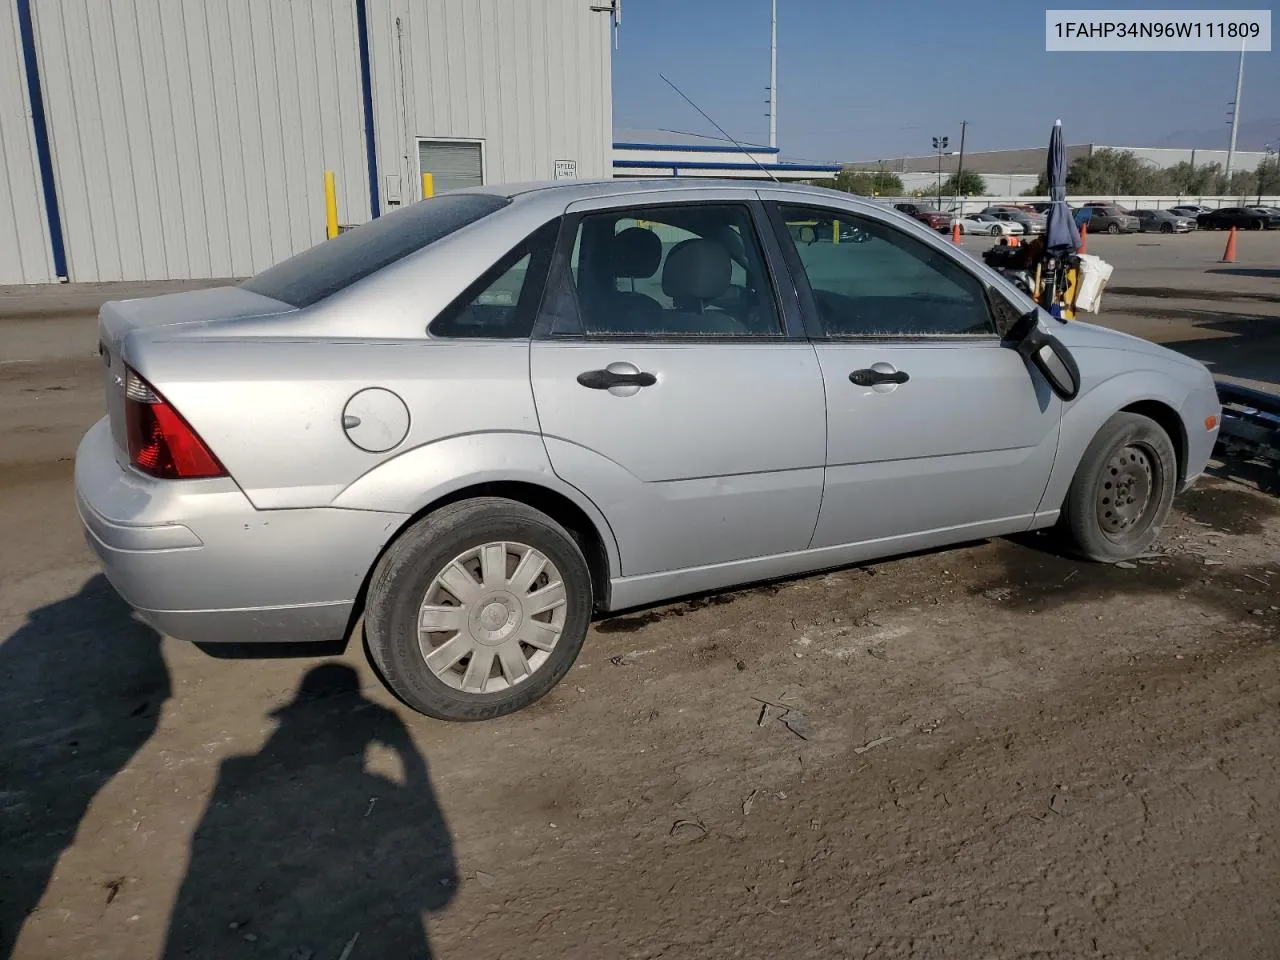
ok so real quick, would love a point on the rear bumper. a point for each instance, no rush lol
(200, 563)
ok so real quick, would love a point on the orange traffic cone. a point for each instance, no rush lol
(1229, 255)
(1014, 241)
(955, 231)
(1084, 238)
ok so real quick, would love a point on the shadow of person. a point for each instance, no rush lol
(306, 852)
(83, 686)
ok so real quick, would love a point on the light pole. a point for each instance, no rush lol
(1235, 115)
(1265, 168)
(772, 89)
(940, 145)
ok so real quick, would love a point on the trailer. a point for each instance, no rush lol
(1250, 428)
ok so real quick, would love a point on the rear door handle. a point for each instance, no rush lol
(607, 379)
(869, 378)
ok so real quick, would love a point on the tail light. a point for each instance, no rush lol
(161, 443)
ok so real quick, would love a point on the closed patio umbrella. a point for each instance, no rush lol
(1061, 234)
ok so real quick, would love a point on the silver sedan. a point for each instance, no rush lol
(476, 423)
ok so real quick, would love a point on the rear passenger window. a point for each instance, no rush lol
(674, 271)
(502, 303)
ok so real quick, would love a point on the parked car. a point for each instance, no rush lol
(476, 422)
(1246, 218)
(1189, 210)
(985, 223)
(1164, 221)
(1040, 206)
(931, 217)
(1108, 219)
(1030, 222)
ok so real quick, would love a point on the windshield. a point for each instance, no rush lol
(335, 264)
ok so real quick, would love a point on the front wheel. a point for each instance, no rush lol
(478, 609)
(1166, 228)
(1258, 225)
(1113, 228)
(996, 231)
(1123, 490)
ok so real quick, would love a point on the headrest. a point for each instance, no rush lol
(697, 269)
(635, 253)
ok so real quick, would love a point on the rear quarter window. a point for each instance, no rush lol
(336, 264)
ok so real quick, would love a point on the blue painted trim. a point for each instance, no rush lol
(366, 91)
(702, 165)
(40, 129)
(693, 148)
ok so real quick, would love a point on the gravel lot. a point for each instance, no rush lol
(986, 752)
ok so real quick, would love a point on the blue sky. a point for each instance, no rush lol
(864, 79)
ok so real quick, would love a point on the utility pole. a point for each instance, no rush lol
(1235, 115)
(960, 164)
(773, 77)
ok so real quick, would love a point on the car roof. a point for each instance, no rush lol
(571, 190)
(559, 193)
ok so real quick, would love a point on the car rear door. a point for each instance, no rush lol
(674, 386)
(936, 430)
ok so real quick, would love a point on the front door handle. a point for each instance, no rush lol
(607, 379)
(870, 378)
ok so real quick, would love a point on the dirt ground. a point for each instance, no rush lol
(991, 751)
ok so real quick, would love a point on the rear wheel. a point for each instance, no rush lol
(1123, 489)
(478, 610)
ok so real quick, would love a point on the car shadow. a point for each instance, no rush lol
(84, 683)
(1234, 344)
(328, 842)
(1265, 273)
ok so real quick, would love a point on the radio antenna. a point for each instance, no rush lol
(767, 172)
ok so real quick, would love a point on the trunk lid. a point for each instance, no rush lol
(119, 318)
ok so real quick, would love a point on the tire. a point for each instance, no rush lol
(1166, 228)
(996, 231)
(1113, 228)
(1258, 225)
(407, 576)
(1128, 448)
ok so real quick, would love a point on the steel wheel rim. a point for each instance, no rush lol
(1129, 492)
(492, 617)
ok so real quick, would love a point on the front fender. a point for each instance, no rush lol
(1084, 416)
(416, 479)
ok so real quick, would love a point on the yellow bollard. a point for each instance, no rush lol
(330, 205)
(428, 186)
(835, 231)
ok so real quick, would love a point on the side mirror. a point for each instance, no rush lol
(1044, 352)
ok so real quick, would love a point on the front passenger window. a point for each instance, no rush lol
(882, 282)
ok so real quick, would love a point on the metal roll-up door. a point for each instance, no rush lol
(453, 164)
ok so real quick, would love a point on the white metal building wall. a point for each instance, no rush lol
(25, 255)
(190, 137)
(529, 78)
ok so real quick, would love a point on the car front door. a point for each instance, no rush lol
(674, 387)
(936, 430)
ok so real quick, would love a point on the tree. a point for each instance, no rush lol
(868, 182)
(1109, 171)
(965, 183)
(1268, 174)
